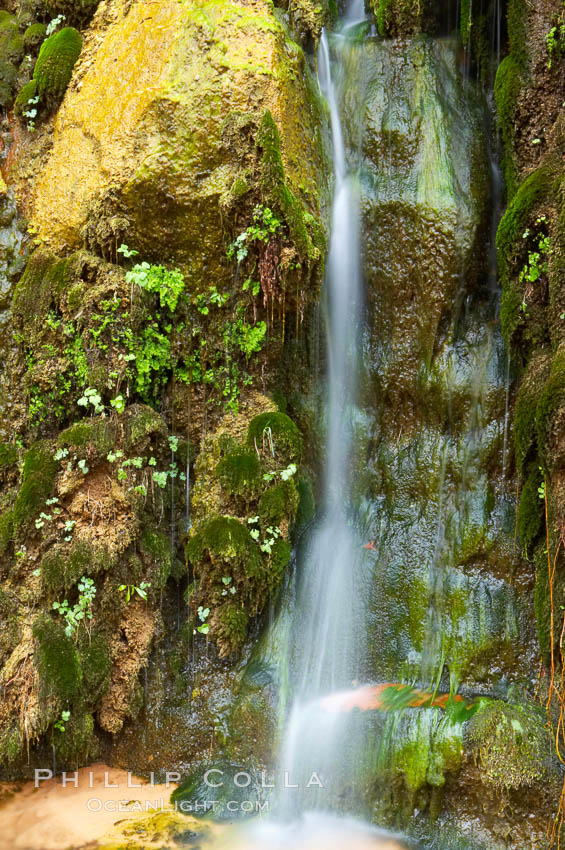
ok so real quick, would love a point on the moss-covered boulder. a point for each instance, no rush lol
(55, 64)
(34, 36)
(162, 133)
(511, 743)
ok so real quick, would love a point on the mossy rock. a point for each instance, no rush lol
(45, 279)
(142, 423)
(76, 745)
(10, 634)
(11, 41)
(11, 54)
(239, 473)
(38, 479)
(531, 388)
(8, 78)
(195, 790)
(55, 63)
(11, 745)
(398, 17)
(155, 547)
(532, 192)
(286, 438)
(511, 744)
(34, 36)
(278, 503)
(278, 562)
(551, 403)
(305, 234)
(96, 665)
(8, 455)
(307, 17)
(97, 435)
(57, 662)
(507, 87)
(530, 508)
(227, 539)
(62, 566)
(106, 169)
(542, 600)
(27, 93)
(230, 626)
(306, 508)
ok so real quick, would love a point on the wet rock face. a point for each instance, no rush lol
(424, 187)
(142, 147)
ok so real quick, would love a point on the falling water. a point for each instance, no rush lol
(328, 630)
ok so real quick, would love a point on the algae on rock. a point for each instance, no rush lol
(138, 149)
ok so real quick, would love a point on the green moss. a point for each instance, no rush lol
(8, 455)
(26, 94)
(142, 423)
(531, 193)
(531, 388)
(465, 20)
(530, 508)
(517, 21)
(6, 530)
(278, 503)
(155, 546)
(511, 744)
(57, 662)
(98, 435)
(551, 402)
(230, 626)
(286, 437)
(225, 538)
(8, 79)
(55, 63)
(96, 666)
(34, 35)
(62, 566)
(239, 473)
(420, 748)
(11, 41)
(11, 745)
(11, 54)
(509, 80)
(542, 600)
(397, 17)
(278, 562)
(507, 87)
(306, 502)
(38, 479)
(75, 744)
(41, 284)
(276, 193)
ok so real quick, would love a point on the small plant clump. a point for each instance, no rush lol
(555, 39)
(81, 612)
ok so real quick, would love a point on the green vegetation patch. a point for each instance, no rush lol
(511, 744)
(57, 662)
(240, 473)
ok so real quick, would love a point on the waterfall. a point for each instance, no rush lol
(328, 629)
